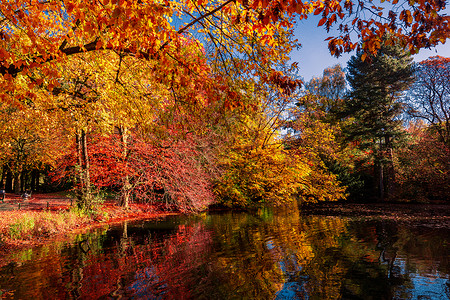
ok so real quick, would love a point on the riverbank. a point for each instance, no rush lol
(48, 217)
(407, 212)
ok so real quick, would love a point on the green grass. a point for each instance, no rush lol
(21, 228)
(45, 223)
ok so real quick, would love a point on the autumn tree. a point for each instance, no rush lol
(430, 95)
(316, 135)
(330, 88)
(422, 165)
(374, 105)
(38, 34)
(27, 141)
(315, 139)
(256, 168)
(136, 130)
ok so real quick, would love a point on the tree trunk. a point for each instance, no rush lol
(87, 176)
(17, 182)
(381, 182)
(380, 163)
(9, 182)
(2, 183)
(390, 171)
(78, 171)
(84, 194)
(23, 181)
(35, 180)
(126, 185)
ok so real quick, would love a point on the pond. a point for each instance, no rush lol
(268, 254)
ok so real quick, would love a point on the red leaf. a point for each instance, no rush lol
(69, 7)
(322, 21)
(318, 10)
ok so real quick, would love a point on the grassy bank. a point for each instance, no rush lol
(21, 228)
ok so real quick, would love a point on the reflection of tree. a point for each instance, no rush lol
(88, 245)
(429, 244)
(313, 241)
(146, 267)
(124, 248)
(261, 255)
(331, 263)
(387, 236)
(240, 266)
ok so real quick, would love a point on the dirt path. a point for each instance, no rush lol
(36, 202)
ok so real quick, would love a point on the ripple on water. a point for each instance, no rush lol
(262, 255)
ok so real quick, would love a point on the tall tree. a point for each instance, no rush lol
(331, 85)
(430, 95)
(328, 92)
(373, 106)
(27, 144)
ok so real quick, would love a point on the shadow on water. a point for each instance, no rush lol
(269, 254)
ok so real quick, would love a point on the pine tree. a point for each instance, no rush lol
(373, 107)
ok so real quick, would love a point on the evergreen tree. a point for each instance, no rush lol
(373, 107)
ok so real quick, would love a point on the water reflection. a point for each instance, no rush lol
(261, 255)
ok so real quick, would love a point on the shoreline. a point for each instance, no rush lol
(399, 212)
(52, 206)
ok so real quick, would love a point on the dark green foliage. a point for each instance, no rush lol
(359, 184)
(376, 86)
(372, 107)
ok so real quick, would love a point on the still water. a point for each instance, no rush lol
(269, 254)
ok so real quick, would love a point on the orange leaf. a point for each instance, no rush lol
(363, 56)
(4, 54)
(116, 12)
(408, 16)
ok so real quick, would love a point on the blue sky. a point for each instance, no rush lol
(313, 57)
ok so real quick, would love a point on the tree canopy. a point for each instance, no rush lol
(37, 33)
(151, 91)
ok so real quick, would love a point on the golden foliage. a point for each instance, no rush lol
(257, 168)
(315, 142)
